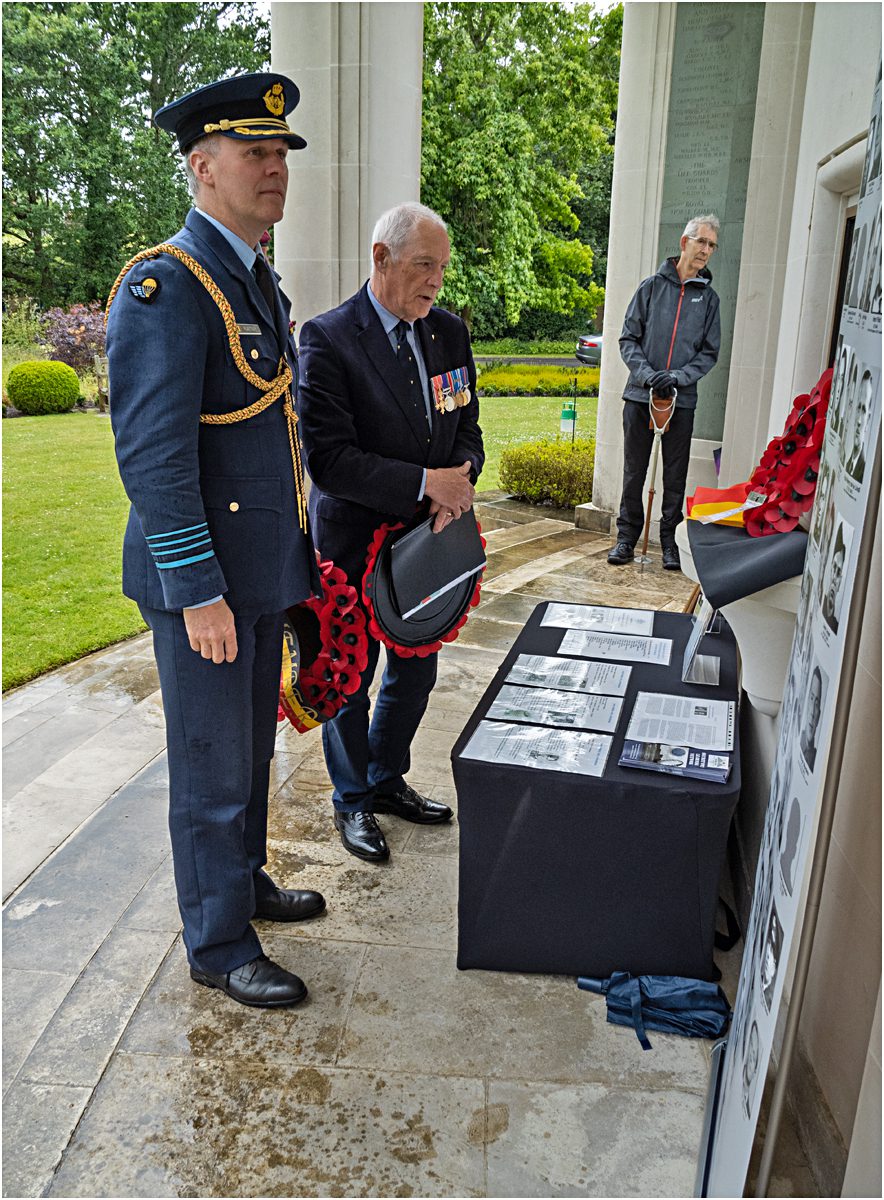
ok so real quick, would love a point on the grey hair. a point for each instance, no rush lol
(395, 226)
(693, 226)
(207, 146)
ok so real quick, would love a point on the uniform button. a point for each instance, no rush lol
(234, 507)
(255, 354)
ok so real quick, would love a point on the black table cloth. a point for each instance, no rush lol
(578, 875)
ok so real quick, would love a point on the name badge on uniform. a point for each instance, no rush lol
(451, 390)
(248, 330)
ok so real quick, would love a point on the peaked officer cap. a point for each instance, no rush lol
(249, 107)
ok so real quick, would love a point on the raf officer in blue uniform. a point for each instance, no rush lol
(203, 373)
(379, 445)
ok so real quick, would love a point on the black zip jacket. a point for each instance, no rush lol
(664, 313)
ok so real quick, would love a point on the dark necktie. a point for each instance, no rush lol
(263, 278)
(405, 357)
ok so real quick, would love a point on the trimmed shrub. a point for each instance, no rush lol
(550, 472)
(35, 388)
(526, 379)
(515, 347)
(75, 335)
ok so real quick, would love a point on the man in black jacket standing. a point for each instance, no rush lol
(670, 340)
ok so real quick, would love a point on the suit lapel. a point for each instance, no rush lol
(376, 345)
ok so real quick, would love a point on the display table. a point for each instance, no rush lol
(573, 874)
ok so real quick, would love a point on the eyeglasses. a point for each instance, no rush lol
(710, 246)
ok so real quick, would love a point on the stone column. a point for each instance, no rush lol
(359, 69)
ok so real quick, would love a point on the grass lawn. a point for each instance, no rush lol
(64, 512)
(506, 420)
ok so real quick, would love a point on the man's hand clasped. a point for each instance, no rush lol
(662, 384)
(450, 492)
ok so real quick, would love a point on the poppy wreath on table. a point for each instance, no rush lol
(788, 470)
(325, 651)
(458, 611)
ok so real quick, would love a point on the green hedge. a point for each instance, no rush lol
(550, 472)
(526, 379)
(37, 388)
(513, 346)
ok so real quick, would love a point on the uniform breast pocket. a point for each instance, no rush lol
(244, 515)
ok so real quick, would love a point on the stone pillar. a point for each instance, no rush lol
(645, 67)
(359, 69)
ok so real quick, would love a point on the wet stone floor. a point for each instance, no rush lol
(400, 1075)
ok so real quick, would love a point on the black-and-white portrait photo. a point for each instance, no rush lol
(856, 420)
(821, 499)
(870, 297)
(790, 844)
(857, 265)
(815, 698)
(750, 1069)
(838, 393)
(872, 168)
(833, 576)
(773, 944)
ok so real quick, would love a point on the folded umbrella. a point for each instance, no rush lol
(665, 1003)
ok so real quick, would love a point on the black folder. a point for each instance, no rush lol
(425, 565)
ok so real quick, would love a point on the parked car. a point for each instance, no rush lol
(589, 349)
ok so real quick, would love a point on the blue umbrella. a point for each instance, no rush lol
(666, 1003)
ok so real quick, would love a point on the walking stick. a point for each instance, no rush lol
(661, 416)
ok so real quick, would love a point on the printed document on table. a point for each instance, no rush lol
(548, 706)
(570, 674)
(682, 721)
(596, 616)
(618, 646)
(546, 749)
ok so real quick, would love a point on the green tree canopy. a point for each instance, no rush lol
(519, 106)
(87, 179)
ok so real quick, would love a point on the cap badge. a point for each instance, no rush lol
(144, 289)
(274, 98)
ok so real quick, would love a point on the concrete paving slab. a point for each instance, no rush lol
(29, 695)
(111, 758)
(181, 1018)
(22, 723)
(514, 535)
(39, 749)
(562, 585)
(515, 580)
(436, 839)
(36, 821)
(505, 1026)
(589, 1140)
(38, 1120)
(402, 902)
(30, 999)
(490, 635)
(248, 1131)
(155, 907)
(79, 1040)
(301, 812)
(510, 557)
(63, 913)
(506, 606)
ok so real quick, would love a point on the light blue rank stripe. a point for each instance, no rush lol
(185, 562)
(152, 537)
(206, 541)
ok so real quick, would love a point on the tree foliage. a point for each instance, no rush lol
(87, 179)
(519, 106)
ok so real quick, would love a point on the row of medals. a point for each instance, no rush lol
(448, 402)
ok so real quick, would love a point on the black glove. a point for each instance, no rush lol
(662, 384)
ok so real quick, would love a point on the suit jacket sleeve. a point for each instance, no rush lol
(157, 353)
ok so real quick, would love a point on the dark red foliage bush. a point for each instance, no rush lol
(74, 335)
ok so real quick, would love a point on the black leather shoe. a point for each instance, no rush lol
(411, 806)
(622, 554)
(671, 558)
(260, 983)
(289, 904)
(362, 836)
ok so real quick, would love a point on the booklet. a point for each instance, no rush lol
(549, 706)
(618, 646)
(596, 616)
(682, 721)
(544, 749)
(569, 674)
(677, 760)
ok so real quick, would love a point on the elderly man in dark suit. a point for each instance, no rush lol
(202, 377)
(382, 445)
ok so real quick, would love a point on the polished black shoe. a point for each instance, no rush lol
(671, 558)
(362, 836)
(411, 806)
(260, 983)
(622, 554)
(289, 904)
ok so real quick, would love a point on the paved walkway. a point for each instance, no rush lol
(400, 1075)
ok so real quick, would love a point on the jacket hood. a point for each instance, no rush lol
(668, 271)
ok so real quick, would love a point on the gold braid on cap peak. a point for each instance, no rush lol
(281, 385)
(269, 126)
